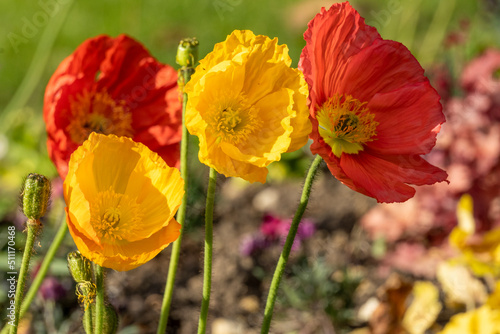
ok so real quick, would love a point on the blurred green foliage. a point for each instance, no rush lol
(318, 289)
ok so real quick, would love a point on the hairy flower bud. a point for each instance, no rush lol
(110, 323)
(187, 52)
(110, 320)
(79, 267)
(35, 196)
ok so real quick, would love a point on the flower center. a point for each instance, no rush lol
(232, 119)
(346, 124)
(98, 112)
(114, 216)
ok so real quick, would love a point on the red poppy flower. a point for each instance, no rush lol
(373, 111)
(112, 86)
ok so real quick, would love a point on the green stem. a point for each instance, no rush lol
(207, 275)
(99, 299)
(280, 268)
(42, 272)
(44, 268)
(87, 318)
(33, 226)
(181, 217)
(434, 37)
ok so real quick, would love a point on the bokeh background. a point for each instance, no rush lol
(36, 36)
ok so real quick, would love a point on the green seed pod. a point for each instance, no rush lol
(79, 267)
(110, 323)
(187, 52)
(35, 196)
(110, 320)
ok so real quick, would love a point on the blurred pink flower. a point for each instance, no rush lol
(274, 229)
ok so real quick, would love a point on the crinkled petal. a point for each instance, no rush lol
(332, 38)
(386, 178)
(392, 67)
(122, 68)
(247, 77)
(409, 120)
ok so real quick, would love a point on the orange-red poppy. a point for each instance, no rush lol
(374, 113)
(112, 86)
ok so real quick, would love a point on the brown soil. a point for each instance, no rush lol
(240, 283)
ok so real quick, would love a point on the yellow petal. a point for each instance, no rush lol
(121, 200)
(247, 106)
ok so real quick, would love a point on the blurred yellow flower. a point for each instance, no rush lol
(121, 200)
(424, 309)
(483, 320)
(481, 253)
(247, 106)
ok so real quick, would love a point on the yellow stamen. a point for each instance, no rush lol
(114, 216)
(346, 124)
(232, 120)
(86, 292)
(98, 112)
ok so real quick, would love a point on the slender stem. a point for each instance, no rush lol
(181, 217)
(42, 272)
(207, 275)
(280, 268)
(436, 32)
(44, 268)
(87, 318)
(99, 299)
(33, 226)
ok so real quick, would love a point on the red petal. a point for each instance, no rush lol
(381, 67)
(409, 119)
(332, 37)
(75, 73)
(151, 94)
(386, 177)
(127, 72)
(122, 59)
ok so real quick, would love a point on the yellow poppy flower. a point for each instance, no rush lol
(480, 252)
(247, 106)
(121, 200)
(484, 320)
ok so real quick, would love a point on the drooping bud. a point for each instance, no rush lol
(187, 52)
(35, 196)
(79, 267)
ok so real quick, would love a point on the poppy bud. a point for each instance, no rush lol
(110, 323)
(187, 52)
(110, 320)
(79, 267)
(35, 196)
